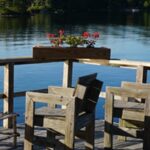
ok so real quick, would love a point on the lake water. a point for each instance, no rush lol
(128, 36)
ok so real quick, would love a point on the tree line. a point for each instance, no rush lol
(32, 6)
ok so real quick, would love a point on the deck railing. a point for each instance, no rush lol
(9, 94)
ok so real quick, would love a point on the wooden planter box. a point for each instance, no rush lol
(70, 53)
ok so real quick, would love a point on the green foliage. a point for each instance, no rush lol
(12, 7)
(24, 6)
(147, 4)
(38, 5)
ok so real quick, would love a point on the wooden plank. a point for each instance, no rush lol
(136, 85)
(111, 62)
(135, 133)
(70, 53)
(146, 144)
(90, 134)
(10, 115)
(108, 140)
(133, 115)
(26, 60)
(67, 73)
(70, 125)
(127, 92)
(63, 91)
(29, 123)
(22, 93)
(14, 122)
(8, 91)
(116, 63)
(49, 98)
(128, 105)
(141, 74)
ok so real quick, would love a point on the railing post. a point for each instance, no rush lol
(8, 92)
(141, 74)
(67, 73)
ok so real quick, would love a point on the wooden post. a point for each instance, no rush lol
(67, 74)
(141, 74)
(146, 144)
(29, 123)
(108, 139)
(8, 92)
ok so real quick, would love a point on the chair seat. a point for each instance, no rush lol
(48, 112)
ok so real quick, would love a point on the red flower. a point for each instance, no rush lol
(86, 34)
(61, 32)
(49, 35)
(96, 35)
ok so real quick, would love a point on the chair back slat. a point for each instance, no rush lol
(92, 96)
(87, 90)
(83, 82)
(86, 80)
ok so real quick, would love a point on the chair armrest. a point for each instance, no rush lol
(135, 85)
(63, 91)
(51, 99)
(8, 115)
(128, 92)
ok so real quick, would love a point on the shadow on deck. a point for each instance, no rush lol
(99, 134)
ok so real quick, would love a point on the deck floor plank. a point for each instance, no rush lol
(131, 144)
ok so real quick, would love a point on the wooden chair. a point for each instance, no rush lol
(80, 112)
(10, 132)
(135, 114)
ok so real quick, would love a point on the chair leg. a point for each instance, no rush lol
(69, 141)
(108, 139)
(146, 141)
(51, 140)
(90, 135)
(28, 141)
(29, 123)
(14, 131)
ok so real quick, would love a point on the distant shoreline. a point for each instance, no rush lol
(60, 11)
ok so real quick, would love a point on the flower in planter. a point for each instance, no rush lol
(86, 39)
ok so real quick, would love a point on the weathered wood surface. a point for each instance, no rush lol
(141, 75)
(79, 145)
(130, 111)
(43, 52)
(111, 62)
(116, 63)
(26, 60)
(67, 73)
(9, 133)
(78, 113)
(9, 93)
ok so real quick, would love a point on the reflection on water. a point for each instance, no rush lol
(128, 36)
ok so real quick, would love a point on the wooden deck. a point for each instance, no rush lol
(130, 144)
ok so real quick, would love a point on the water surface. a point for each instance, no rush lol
(128, 36)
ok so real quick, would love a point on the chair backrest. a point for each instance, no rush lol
(87, 90)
